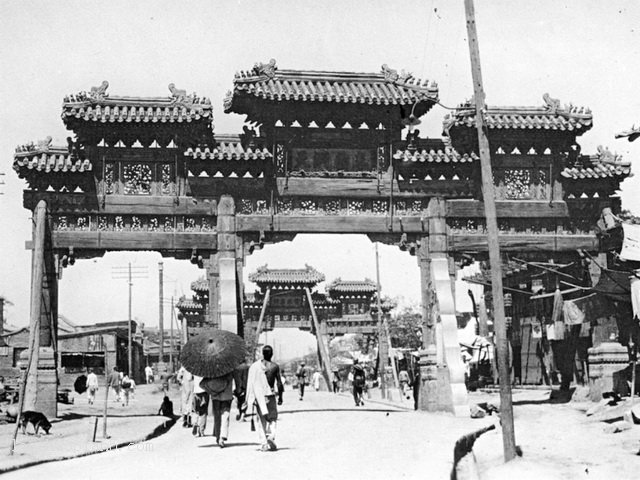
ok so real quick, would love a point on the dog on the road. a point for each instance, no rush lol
(37, 419)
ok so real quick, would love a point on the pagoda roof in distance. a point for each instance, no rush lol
(201, 285)
(307, 276)
(352, 286)
(602, 165)
(551, 117)
(189, 304)
(228, 147)
(98, 106)
(42, 157)
(388, 87)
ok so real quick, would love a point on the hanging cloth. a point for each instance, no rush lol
(635, 296)
(557, 315)
(631, 243)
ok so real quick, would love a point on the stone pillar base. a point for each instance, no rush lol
(46, 398)
(607, 364)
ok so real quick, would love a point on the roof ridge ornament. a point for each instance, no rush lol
(179, 95)
(265, 69)
(605, 156)
(392, 76)
(551, 104)
(99, 93)
(43, 145)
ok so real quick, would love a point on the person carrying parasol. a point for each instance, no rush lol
(212, 358)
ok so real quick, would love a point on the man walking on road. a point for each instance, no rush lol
(114, 382)
(316, 380)
(262, 384)
(186, 395)
(92, 386)
(220, 390)
(358, 382)
(148, 373)
(302, 378)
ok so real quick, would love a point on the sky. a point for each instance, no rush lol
(584, 52)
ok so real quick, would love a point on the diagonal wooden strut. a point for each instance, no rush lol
(262, 312)
(324, 354)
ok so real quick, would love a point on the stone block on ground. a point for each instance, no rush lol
(616, 427)
(477, 411)
(597, 408)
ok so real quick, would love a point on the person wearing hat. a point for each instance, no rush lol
(301, 374)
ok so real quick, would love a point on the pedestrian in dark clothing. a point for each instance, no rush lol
(359, 378)
(416, 389)
(240, 375)
(166, 408)
(220, 390)
(336, 382)
(302, 379)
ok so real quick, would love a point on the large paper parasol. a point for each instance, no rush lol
(213, 353)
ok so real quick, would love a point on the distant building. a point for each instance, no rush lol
(80, 348)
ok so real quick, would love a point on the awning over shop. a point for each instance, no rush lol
(615, 285)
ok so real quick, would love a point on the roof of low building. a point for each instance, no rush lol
(352, 286)
(301, 276)
(98, 106)
(267, 82)
(42, 157)
(551, 116)
(228, 147)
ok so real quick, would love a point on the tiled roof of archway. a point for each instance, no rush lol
(201, 285)
(433, 152)
(388, 87)
(98, 106)
(302, 276)
(352, 286)
(228, 147)
(189, 304)
(550, 116)
(46, 158)
(602, 165)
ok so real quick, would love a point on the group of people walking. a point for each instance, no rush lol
(258, 386)
(122, 385)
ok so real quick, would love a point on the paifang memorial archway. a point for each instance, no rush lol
(321, 152)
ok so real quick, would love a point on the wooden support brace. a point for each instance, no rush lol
(324, 354)
(265, 302)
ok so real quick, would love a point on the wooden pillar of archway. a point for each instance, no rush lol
(442, 385)
(39, 362)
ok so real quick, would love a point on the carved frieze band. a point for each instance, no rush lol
(341, 207)
(524, 226)
(134, 223)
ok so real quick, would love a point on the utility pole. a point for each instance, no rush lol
(488, 193)
(129, 273)
(160, 321)
(171, 339)
(383, 346)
